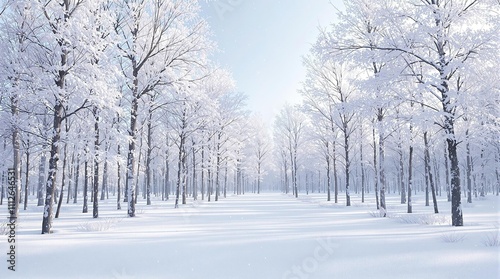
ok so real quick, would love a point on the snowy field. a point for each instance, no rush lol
(258, 237)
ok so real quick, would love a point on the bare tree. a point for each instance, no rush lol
(152, 51)
(290, 124)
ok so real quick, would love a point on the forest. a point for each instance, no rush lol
(120, 100)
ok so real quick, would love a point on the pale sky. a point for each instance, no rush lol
(262, 43)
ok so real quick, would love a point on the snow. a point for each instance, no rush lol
(258, 236)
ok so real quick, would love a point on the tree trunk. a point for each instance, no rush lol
(195, 183)
(363, 182)
(217, 186)
(138, 169)
(225, 180)
(381, 149)
(468, 171)
(77, 177)
(95, 188)
(16, 168)
(497, 174)
(295, 168)
(85, 187)
(179, 170)
(148, 156)
(129, 186)
(105, 189)
(285, 169)
(70, 182)
(209, 184)
(347, 166)
(401, 173)
(447, 172)
(449, 122)
(202, 172)
(119, 182)
(258, 177)
(292, 168)
(54, 158)
(335, 176)
(63, 180)
(410, 177)
(375, 167)
(238, 178)
(328, 182)
(482, 189)
(2, 191)
(427, 163)
(426, 177)
(456, 203)
(41, 176)
(184, 175)
(26, 182)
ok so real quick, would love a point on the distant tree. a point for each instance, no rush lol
(231, 110)
(260, 145)
(290, 125)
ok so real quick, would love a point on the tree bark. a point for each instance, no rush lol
(327, 157)
(195, 182)
(410, 178)
(381, 149)
(180, 171)
(95, 188)
(375, 167)
(427, 163)
(70, 182)
(104, 188)
(363, 182)
(41, 176)
(148, 155)
(185, 178)
(225, 180)
(468, 171)
(16, 146)
(54, 158)
(347, 165)
(119, 182)
(497, 172)
(27, 175)
(77, 177)
(402, 173)
(85, 187)
(63, 180)
(335, 176)
(130, 187)
(217, 171)
(447, 172)
(258, 177)
(202, 172)
(139, 160)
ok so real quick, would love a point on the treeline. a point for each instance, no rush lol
(120, 97)
(398, 95)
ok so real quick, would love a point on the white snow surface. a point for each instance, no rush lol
(262, 236)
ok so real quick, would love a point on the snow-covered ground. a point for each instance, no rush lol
(256, 237)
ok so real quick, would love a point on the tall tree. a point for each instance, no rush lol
(161, 41)
(261, 147)
(290, 125)
(66, 27)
